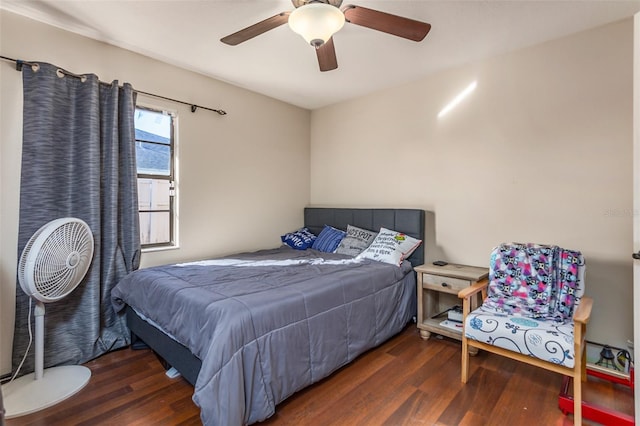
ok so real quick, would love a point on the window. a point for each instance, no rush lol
(155, 146)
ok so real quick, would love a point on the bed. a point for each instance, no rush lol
(251, 329)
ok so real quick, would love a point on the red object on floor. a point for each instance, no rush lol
(595, 412)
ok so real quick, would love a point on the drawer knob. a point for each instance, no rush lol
(444, 284)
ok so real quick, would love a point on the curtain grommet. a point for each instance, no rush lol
(61, 73)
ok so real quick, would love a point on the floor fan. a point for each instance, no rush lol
(52, 264)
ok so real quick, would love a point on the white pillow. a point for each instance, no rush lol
(356, 241)
(390, 247)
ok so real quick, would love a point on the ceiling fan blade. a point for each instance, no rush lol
(386, 22)
(256, 29)
(327, 56)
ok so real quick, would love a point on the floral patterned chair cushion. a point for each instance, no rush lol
(543, 339)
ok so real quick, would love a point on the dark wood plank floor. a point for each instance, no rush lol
(406, 381)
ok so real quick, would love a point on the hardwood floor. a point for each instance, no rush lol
(406, 381)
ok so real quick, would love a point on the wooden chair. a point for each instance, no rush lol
(550, 337)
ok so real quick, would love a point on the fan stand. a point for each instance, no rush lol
(42, 388)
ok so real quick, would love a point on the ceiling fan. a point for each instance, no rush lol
(317, 20)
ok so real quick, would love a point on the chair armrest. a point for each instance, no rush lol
(583, 313)
(473, 289)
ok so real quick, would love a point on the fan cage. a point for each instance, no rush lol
(55, 259)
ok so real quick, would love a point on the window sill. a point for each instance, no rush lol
(161, 248)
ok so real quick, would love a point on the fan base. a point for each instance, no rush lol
(25, 395)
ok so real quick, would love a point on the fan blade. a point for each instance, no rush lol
(256, 29)
(387, 23)
(327, 56)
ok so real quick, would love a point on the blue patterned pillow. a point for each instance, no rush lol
(301, 239)
(328, 239)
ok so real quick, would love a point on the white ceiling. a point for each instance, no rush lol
(281, 65)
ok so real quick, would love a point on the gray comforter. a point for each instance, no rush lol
(265, 331)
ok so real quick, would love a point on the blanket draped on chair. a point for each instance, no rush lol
(536, 281)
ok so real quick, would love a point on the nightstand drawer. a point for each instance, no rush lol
(439, 282)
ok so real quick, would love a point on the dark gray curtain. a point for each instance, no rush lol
(78, 160)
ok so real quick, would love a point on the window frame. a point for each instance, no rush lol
(171, 178)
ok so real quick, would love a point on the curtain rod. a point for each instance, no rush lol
(19, 63)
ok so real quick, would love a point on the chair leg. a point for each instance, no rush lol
(464, 371)
(465, 360)
(577, 400)
(584, 365)
(579, 371)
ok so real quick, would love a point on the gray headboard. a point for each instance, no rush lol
(408, 221)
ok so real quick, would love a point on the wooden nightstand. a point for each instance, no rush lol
(438, 288)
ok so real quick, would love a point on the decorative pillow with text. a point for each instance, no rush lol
(356, 240)
(301, 239)
(390, 247)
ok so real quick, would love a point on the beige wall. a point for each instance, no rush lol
(243, 178)
(541, 151)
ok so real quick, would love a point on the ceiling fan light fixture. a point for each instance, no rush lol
(316, 22)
